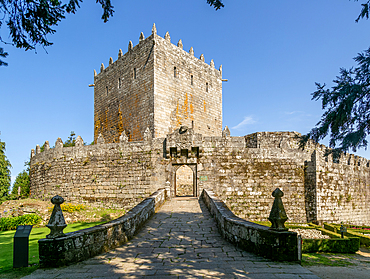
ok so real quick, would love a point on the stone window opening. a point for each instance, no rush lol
(134, 73)
(191, 80)
(195, 151)
(192, 124)
(174, 72)
(106, 90)
(206, 86)
(119, 82)
(184, 153)
(173, 152)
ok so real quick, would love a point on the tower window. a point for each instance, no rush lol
(206, 86)
(106, 90)
(134, 73)
(174, 72)
(119, 83)
(191, 80)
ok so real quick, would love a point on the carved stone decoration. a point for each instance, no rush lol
(220, 69)
(120, 53)
(154, 29)
(59, 143)
(38, 150)
(100, 139)
(32, 152)
(130, 46)
(167, 37)
(101, 67)
(201, 57)
(79, 141)
(148, 135)
(212, 63)
(110, 61)
(191, 51)
(226, 132)
(142, 37)
(123, 137)
(95, 74)
(56, 223)
(46, 145)
(278, 215)
(179, 44)
(183, 129)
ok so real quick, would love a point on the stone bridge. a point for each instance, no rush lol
(181, 240)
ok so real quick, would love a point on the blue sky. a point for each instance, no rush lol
(272, 54)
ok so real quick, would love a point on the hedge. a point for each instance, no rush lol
(11, 223)
(336, 245)
(364, 239)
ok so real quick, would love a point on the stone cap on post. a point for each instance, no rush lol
(56, 223)
(278, 215)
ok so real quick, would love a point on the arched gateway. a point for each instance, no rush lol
(185, 182)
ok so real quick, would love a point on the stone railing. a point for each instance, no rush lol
(261, 240)
(83, 244)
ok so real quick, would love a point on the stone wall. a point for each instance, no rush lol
(109, 175)
(187, 91)
(242, 172)
(275, 245)
(87, 243)
(123, 94)
(342, 188)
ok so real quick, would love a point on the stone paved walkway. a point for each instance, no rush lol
(180, 241)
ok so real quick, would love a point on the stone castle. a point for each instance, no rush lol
(158, 122)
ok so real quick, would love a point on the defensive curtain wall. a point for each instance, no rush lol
(241, 171)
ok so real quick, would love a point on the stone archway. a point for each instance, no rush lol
(185, 180)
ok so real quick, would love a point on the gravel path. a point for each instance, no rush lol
(310, 233)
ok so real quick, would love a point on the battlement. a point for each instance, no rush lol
(152, 38)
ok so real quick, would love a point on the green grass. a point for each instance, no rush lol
(328, 259)
(6, 250)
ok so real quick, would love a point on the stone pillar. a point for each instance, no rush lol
(56, 223)
(168, 190)
(278, 215)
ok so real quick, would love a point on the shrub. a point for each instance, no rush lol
(11, 223)
(337, 245)
(68, 207)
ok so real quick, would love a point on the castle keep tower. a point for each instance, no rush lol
(160, 86)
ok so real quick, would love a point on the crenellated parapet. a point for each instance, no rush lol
(152, 38)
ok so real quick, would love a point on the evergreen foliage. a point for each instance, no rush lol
(29, 22)
(347, 108)
(71, 141)
(346, 117)
(23, 181)
(4, 172)
(217, 4)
